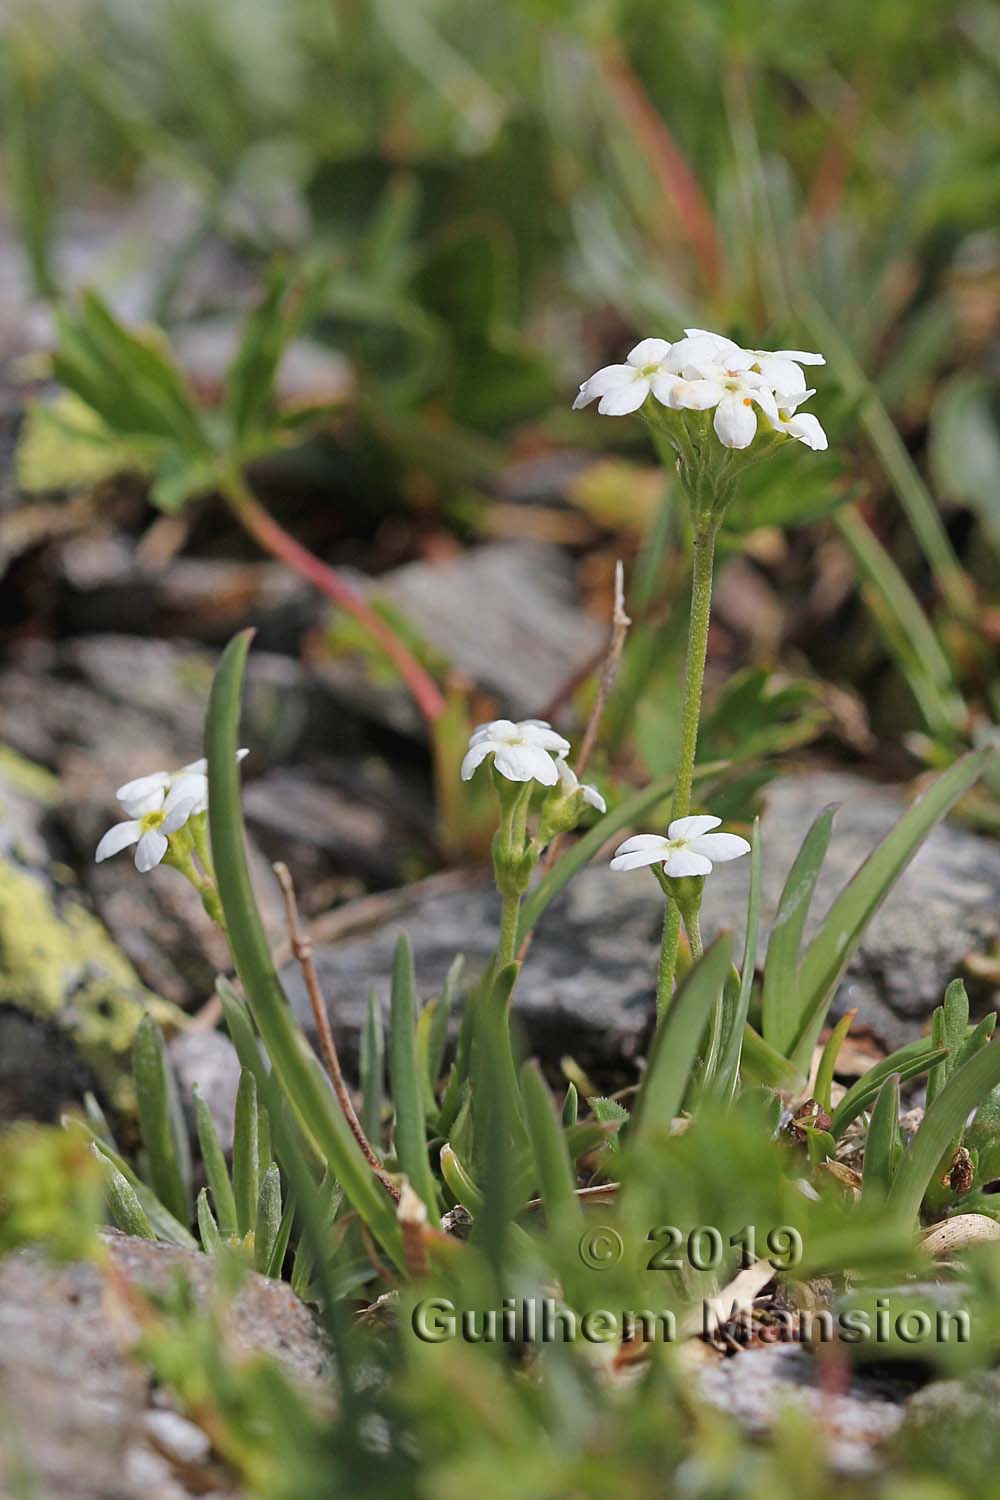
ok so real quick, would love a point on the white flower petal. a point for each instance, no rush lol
(637, 859)
(200, 767)
(117, 838)
(149, 851)
(643, 841)
(474, 756)
(179, 814)
(526, 763)
(720, 342)
(692, 827)
(735, 421)
(193, 788)
(602, 381)
(624, 399)
(720, 847)
(537, 732)
(495, 729)
(765, 400)
(696, 395)
(593, 798)
(681, 862)
(781, 374)
(649, 352)
(143, 788)
(806, 429)
(798, 355)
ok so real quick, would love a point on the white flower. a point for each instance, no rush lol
(521, 752)
(780, 368)
(569, 784)
(805, 428)
(733, 392)
(157, 806)
(623, 388)
(689, 848)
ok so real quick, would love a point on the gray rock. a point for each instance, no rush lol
(79, 1415)
(587, 987)
(756, 1385)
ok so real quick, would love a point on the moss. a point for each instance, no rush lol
(58, 964)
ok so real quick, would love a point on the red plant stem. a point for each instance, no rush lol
(280, 544)
(666, 161)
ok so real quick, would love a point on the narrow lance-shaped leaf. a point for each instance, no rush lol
(556, 1179)
(832, 949)
(123, 1205)
(372, 1071)
(883, 1142)
(246, 1160)
(208, 1229)
(966, 1088)
(164, 1133)
(828, 1062)
(268, 1218)
(781, 1015)
(301, 1077)
(165, 1226)
(909, 1062)
(215, 1168)
(410, 1131)
(727, 1076)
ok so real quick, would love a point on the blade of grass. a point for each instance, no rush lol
(164, 1133)
(246, 1157)
(406, 1076)
(208, 1230)
(883, 1141)
(267, 1220)
(214, 1162)
(781, 1016)
(909, 1062)
(297, 1069)
(966, 1088)
(373, 1071)
(828, 1062)
(843, 927)
(729, 1067)
(124, 1206)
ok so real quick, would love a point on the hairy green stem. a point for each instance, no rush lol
(668, 957)
(707, 529)
(507, 945)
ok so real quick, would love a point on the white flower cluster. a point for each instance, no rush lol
(157, 805)
(524, 752)
(689, 848)
(705, 372)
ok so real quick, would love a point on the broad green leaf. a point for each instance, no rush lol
(246, 1153)
(164, 1132)
(966, 1088)
(297, 1069)
(843, 928)
(760, 1063)
(406, 1076)
(781, 1013)
(216, 1171)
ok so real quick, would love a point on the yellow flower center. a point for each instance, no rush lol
(152, 820)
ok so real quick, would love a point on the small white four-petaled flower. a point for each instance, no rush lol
(706, 372)
(157, 805)
(689, 848)
(521, 752)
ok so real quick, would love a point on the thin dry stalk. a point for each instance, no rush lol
(301, 946)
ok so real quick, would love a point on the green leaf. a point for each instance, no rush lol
(164, 1133)
(280, 1247)
(553, 1167)
(124, 1206)
(246, 1154)
(267, 1220)
(373, 1071)
(610, 1112)
(583, 851)
(410, 1128)
(909, 1062)
(828, 1062)
(208, 1230)
(675, 1046)
(216, 1171)
(966, 1088)
(883, 1143)
(165, 1226)
(297, 1070)
(728, 1072)
(781, 1011)
(250, 382)
(843, 928)
(760, 1063)
(571, 1106)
